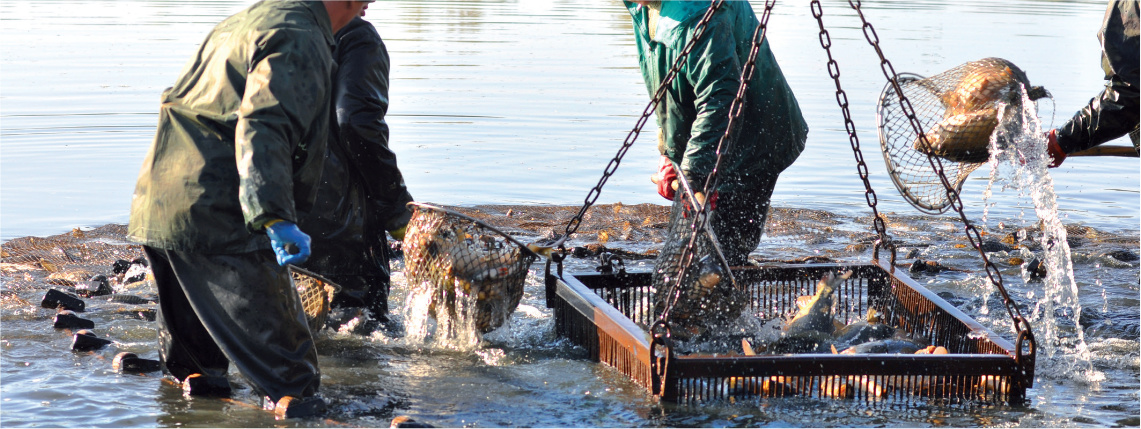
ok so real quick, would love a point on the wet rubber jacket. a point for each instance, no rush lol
(1115, 111)
(361, 101)
(695, 111)
(241, 133)
(362, 192)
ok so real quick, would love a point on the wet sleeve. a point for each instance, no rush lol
(285, 90)
(1114, 112)
(361, 103)
(714, 72)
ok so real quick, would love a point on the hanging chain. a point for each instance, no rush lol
(952, 194)
(723, 145)
(850, 127)
(592, 196)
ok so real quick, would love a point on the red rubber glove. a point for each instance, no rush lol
(665, 178)
(1052, 149)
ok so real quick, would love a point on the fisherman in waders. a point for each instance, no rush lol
(235, 164)
(362, 192)
(694, 113)
(1115, 111)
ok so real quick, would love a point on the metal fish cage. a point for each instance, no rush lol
(606, 313)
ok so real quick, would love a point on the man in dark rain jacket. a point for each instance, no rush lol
(694, 113)
(362, 193)
(1115, 111)
(235, 163)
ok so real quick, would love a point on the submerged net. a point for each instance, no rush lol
(316, 293)
(473, 273)
(706, 298)
(957, 111)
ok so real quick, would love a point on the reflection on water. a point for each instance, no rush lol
(525, 102)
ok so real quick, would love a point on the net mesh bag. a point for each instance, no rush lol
(706, 297)
(957, 110)
(472, 272)
(316, 294)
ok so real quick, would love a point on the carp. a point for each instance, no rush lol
(811, 328)
(984, 82)
(480, 276)
(816, 315)
(895, 345)
(863, 331)
(970, 115)
(963, 137)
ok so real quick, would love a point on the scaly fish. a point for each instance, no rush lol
(963, 137)
(869, 329)
(891, 345)
(816, 315)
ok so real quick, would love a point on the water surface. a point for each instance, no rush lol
(525, 102)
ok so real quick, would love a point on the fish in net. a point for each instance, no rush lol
(706, 299)
(473, 273)
(958, 112)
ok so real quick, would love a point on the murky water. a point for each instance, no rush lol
(524, 102)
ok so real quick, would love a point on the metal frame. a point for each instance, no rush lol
(592, 310)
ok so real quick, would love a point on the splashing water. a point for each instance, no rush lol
(438, 325)
(1018, 141)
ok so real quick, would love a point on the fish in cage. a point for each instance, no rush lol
(814, 329)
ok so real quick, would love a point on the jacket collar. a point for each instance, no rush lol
(326, 24)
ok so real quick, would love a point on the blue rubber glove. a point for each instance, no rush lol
(289, 244)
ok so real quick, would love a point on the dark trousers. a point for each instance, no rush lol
(739, 218)
(362, 272)
(240, 308)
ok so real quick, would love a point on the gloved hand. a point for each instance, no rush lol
(1052, 149)
(665, 178)
(398, 234)
(286, 237)
(700, 196)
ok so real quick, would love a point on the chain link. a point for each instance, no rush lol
(723, 145)
(953, 195)
(632, 136)
(850, 127)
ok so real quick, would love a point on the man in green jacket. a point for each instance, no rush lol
(694, 113)
(234, 165)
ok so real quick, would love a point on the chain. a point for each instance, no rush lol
(723, 145)
(952, 194)
(592, 196)
(850, 127)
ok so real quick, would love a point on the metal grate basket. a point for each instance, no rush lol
(957, 111)
(316, 293)
(472, 271)
(607, 313)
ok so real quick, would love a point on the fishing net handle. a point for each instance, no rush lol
(336, 287)
(956, 203)
(481, 224)
(632, 136)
